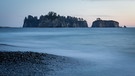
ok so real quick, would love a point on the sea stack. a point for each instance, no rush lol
(105, 23)
(52, 20)
(125, 26)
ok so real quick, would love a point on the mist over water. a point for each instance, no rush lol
(103, 51)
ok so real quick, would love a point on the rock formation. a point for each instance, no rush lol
(53, 20)
(105, 23)
(125, 26)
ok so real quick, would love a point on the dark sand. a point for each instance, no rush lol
(32, 64)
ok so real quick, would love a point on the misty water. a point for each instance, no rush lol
(102, 51)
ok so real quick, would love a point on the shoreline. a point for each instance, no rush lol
(32, 63)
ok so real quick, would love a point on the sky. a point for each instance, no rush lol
(13, 12)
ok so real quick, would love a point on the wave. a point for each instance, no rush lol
(8, 45)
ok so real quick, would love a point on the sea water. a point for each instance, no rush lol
(107, 51)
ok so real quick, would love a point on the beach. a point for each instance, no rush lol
(31, 63)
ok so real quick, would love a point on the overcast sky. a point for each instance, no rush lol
(12, 12)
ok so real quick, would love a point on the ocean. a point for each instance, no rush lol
(106, 51)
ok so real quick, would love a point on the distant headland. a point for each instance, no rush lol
(105, 23)
(52, 20)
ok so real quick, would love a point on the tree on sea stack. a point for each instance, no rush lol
(52, 20)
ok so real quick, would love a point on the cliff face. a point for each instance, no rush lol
(105, 23)
(54, 20)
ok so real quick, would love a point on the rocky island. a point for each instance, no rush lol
(105, 23)
(52, 20)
